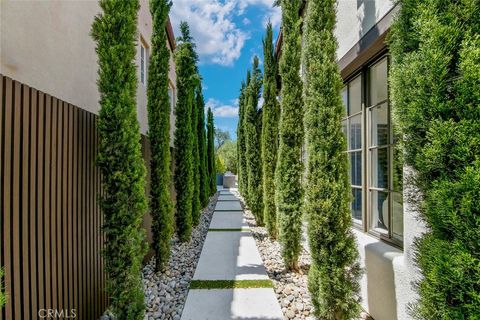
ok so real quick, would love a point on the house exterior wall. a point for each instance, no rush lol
(47, 45)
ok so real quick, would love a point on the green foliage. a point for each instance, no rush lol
(220, 138)
(335, 270)
(185, 60)
(288, 174)
(219, 164)
(435, 81)
(228, 152)
(211, 153)
(120, 160)
(196, 160)
(161, 206)
(270, 118)
(252, 144)
(3, 295)
(242, 161)
(202, 149)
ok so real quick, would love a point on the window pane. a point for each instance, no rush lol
(355, 127)
(379, 174)
(379, 210)
(344, 99)
(355, 95)
(357, 203)
(379, 125)
(397, 215)
(356, 168)
(378, 82)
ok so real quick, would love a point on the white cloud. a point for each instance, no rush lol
(222, 110)
(219, 40)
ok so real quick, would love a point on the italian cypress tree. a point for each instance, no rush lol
(161, 206)
(183, 138)
(202, 148)
(335, 270)
(211, 153)
(242, 161)
(271, 113)
(288, 188)
(196, 161)
(120, 159)
(435, 81)
(253, 147)
(240, 138)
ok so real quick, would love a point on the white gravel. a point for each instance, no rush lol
(166, 293)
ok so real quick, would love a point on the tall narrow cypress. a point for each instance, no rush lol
(288, 188)
(120, 159)
(242, 161)
(211, 153)
(202, 148)
(183, 138)
(335, 270)
(435, 82)
(271, 114)
(161, 206)
(252, 142)
(196, 160)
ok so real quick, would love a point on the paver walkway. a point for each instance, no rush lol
(230, 281)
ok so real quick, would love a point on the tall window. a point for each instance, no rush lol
(375, 165)
(143, 62)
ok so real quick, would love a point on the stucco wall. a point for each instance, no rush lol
(47, 45)
(355, 19)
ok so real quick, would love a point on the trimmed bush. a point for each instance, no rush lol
(183, 138)
(212, 174)
(435, 82)
(161, 206)
(202, 149)
(252, 143)
(271, 115)
(335, 271)
(196, 206)
(120, 159)
(3, 296)
(288, 174)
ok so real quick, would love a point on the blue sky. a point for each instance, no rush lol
(228, 33)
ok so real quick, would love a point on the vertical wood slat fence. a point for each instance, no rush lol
(50, 226)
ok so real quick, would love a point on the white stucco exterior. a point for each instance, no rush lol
(356, 18)
(47, 45)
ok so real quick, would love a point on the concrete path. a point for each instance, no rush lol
(230, 281)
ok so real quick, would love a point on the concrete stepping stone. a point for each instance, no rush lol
(227, 197)
(230, 255)
(223, 304)
(228, 206)
(230, 220)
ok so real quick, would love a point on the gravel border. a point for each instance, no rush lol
(291, 288)
(166, 293)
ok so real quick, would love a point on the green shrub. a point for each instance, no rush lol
(252, 144)
(196, 161)
(202, 149)
(288, 174)
(3, 295)
(161, 206)
(219, 164)
(435, 81)
(270, 117)
(335, 270)
(242, 161)
(120, 159)
(211, 153)
(183, 138)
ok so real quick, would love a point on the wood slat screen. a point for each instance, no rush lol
(50, 226)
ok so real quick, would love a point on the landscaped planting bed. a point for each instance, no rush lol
(166, 293)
